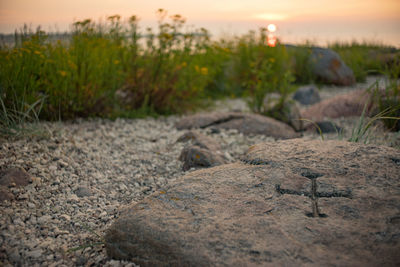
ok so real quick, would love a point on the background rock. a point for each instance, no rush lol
(307, 95)
(243, 122)
(330, 68)
(291, 203)
(345, 105)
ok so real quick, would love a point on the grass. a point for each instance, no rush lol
(116, 69)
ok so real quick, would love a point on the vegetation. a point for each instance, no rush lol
(116, 69)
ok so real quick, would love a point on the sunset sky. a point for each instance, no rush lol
(297, 20)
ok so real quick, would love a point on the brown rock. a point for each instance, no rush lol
(200, 140)
(244, 123)
(204, 120)
(14, 177)
(5, 194)
(346, 105)
(195, 156)
(288, 203)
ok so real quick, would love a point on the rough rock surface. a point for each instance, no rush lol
(344, 105)
(307, 95)
(288, 203)
(243, 122)
(329, 67)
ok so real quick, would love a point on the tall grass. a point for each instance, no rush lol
(365, 58)
(115, 68)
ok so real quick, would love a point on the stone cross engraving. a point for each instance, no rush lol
(314, 194)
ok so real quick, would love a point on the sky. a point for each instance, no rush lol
(297, 20)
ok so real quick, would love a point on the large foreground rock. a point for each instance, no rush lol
(288, 203)
(243, 122)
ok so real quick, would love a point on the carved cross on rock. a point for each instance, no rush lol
(314, 194)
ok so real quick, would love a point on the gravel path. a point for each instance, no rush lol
(86, 172)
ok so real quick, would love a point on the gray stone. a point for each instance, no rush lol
(328, 127)
(243, 122)
(288, 203)
(288, 113)
(330, 68)
(83, 191)
(307, 95)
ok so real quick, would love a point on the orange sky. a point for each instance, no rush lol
(236, 16)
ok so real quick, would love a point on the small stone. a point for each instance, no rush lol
(44, 219)
(35, 253)
(83, 191)
(194, 156)
(22, 197)
(73, 198)
(5, 194)
(53, 168)
(65, 217)
(14, 177)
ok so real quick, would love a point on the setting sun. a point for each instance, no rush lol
(271, 27)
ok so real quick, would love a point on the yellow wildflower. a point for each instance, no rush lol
(204, 71)
(62, 73)
(72, 65)
(184, 64)
(37, 52)
(272, 60)
(116, 62)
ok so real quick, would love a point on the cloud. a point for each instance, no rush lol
(271, 16)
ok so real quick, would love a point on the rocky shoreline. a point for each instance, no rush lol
(86, 172)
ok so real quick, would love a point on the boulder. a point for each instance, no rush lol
(287, 203)
(307, 95)
(243, 122)
(345, 105)
(328, 67)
